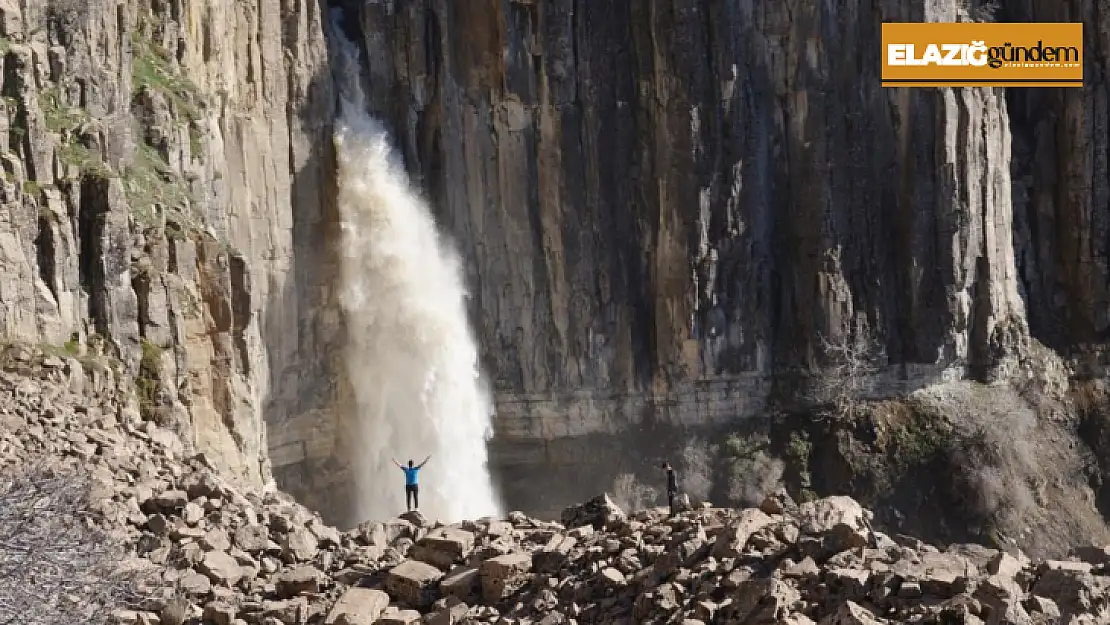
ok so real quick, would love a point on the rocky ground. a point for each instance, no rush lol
(214, 553)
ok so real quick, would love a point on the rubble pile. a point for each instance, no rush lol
(231, 557)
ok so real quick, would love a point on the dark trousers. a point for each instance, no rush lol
(671, 494)
(412, 496)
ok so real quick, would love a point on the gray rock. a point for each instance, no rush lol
(215, 539)
(221, 568)
(195, 584)
(503, 575)
(414, 583)
(443, 547)
(416, 517)
(399, 617)
(252, 538)
(297, 580)
(462, 583)
(731, 542)
(599, 512)
(219, 613)
(358, 606)
(299, 545)
(170, 501)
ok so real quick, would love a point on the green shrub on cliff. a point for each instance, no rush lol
(59, 116)
(152, 68)
(150, 180)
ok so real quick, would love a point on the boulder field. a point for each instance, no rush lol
(212, 551)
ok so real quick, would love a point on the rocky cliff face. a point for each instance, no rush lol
(662, 204)
(664, 207)
(700, 189)
(1062, 225)
(164, 199)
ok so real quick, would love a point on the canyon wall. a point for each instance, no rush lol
(662, 204)
(164, 202)
(663, 207)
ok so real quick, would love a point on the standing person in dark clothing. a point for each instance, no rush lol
(672, 484)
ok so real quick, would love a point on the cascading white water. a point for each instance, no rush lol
(411, 355)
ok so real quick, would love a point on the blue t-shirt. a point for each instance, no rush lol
(410, 475)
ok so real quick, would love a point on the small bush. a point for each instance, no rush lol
(152, 68)
(86, 160)
(72, 347)
(848, 370)
(148, 181)
(798, 451)
(59, 115)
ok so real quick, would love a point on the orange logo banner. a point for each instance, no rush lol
(982, 54)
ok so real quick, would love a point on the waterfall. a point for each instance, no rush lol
(411, 356)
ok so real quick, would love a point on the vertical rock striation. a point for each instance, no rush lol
(663, 208)
(165, 198)
(665, 203)
(1061, 193)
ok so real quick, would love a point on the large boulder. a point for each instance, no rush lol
(414, 583)
(443, 547)
(502, 575)
(297, 580)
(731, 542)
(463, 583)
(358, 606)
(599, 512)
(839, 521)
(554, 554)
(221, 568)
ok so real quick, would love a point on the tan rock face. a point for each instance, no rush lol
(413, 582)
(358, 606)
(150, 203)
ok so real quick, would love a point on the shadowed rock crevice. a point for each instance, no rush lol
(91, 225)
(1062, 225)
(45, 253)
